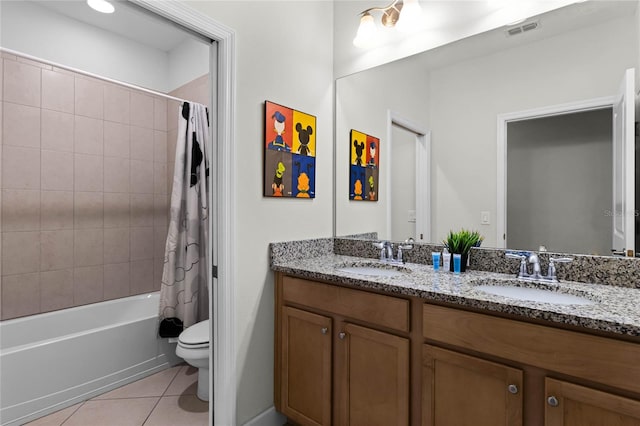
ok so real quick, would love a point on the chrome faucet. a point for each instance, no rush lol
(536, 273)
(386, 251)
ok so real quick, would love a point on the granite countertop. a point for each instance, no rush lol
(616, 311)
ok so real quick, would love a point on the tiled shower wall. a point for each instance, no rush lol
(84, 183)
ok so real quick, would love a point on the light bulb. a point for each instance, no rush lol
(367, 32)
(410, 17)
(101, 6)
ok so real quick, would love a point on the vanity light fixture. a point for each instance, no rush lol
(102, 6)
(403, 14)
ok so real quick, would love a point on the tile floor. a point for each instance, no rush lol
(167, 398)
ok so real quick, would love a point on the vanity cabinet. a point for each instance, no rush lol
(459, 389)
(341, 356)
(555, 377)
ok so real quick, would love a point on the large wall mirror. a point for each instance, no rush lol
(571, 62)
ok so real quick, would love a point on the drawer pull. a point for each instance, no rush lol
(512, 389)
(342, 335)
(552, 401)
(324, 330)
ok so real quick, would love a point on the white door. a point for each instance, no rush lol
(624, 167)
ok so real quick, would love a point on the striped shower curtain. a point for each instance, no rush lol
(183, 292)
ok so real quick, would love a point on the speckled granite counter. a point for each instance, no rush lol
(617, 309)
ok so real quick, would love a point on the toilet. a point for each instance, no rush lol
(193, 347)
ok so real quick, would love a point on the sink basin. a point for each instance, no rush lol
(377, 270)
(542, 295)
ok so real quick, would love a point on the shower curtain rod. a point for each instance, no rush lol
(89, 74)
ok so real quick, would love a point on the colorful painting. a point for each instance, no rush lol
(289, 152)
(364, 166)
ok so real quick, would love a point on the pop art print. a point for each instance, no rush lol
(364, 166)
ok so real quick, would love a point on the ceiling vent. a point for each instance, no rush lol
(528, 26)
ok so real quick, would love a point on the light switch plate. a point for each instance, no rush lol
(485, 218)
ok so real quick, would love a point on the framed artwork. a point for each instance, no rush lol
(364, 166)
(289, 152)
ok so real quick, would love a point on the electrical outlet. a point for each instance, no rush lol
(411, 216)
(485, 218)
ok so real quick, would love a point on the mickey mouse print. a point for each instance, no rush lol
(289, 152)
(364, 166)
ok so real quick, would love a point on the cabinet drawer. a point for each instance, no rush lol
(385, 311)
(609, 361)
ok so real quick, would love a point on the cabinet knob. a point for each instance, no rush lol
(552, 401)
(324, 330)
(512, 389)
(342, 335)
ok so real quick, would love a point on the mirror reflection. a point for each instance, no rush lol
(576, 58)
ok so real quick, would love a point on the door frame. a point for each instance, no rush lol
(501, 169)
(423, 173)
(222, 360)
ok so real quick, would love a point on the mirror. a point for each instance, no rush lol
(456, 93)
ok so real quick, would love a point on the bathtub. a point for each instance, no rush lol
(53, 360)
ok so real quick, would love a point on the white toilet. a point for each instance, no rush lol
(193, 347)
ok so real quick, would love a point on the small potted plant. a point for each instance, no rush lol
(461, 243)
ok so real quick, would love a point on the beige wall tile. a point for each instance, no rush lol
(56, 210)
(141, 177)
(159, 178)
(159, 241)
(116, 210)
(88, 210)
(160, 114)
(57, 130)
(20, 168)
(21, 125)
(116, 280)
(20, 210)
(33, 62)
(20, 252)
(116, 139)
(116, 245)
(173, 113)
(141, 210)
(88, 247)
(116, 104)
(161, 211)
(56, 290)
(89, 95)
(21, 83)
(160, 146)
(116, 174)
(57, 91)
(141, 143)
(56, 250)
(158, 268)
(88, 136)
(141, 110)
(88, 285)
(20, 295)
(141, 243)
(88, 172)
(142, 276)
(57, 171)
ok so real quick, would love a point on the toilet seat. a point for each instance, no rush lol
(196, 336)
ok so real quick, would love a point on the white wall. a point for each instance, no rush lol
(284, 54)
(362, 103)
(467, 97)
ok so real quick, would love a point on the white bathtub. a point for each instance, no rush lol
(57, 359)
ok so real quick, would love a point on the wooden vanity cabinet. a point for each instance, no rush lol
(335, 361)
(459, 389)
(576, 371)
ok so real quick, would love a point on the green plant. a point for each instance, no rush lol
(461, 242)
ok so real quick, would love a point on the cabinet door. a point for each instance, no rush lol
(573, 405)
(306, 367)
(460, 390)
(373, 377)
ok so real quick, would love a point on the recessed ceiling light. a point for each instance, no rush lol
(102, 6)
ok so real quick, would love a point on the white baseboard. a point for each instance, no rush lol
(269, 417)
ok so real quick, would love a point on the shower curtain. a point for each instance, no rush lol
(183, 292)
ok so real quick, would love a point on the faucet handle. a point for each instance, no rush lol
(551, 272)
(517, 255)
(561, 259)
(379, 245)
